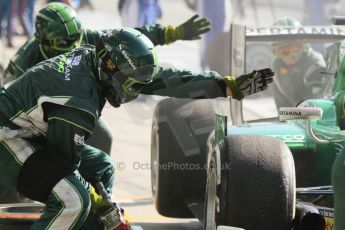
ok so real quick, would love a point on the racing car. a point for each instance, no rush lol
(263, 167)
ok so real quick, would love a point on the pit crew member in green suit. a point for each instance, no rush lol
(47, 113)
(297, 70)
(58, 30)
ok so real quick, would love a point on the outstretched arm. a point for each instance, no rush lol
(192, 29)
(207, 84)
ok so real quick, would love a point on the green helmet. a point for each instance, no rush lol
(127, 61)
(290, 51)
(58, 29)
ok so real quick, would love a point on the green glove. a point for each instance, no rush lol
(248, 84)
(189, 30)
(96, 200)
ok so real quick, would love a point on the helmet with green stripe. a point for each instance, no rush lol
(289, 51)
(58, 29)
(127, 61)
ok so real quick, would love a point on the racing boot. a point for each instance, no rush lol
(112, 218)
(111, 215)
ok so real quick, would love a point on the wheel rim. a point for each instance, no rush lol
(154, 158)
(211, 202)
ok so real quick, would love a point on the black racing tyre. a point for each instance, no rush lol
(19, 216)
(250, 184)
(180, 129)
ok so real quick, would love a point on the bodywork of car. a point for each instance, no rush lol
(313, 143)
(313, 155)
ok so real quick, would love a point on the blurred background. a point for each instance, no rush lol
(131, 123)
(17, 17)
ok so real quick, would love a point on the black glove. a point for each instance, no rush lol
(248, 84)
(189, 30)
(193, 28)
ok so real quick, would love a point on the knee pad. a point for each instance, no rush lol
(41, 172)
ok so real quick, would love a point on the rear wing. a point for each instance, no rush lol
(309, 33)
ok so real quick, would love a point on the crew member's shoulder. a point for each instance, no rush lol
(31, 44)
(92, 36)
(28, 52)
(83, 49)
